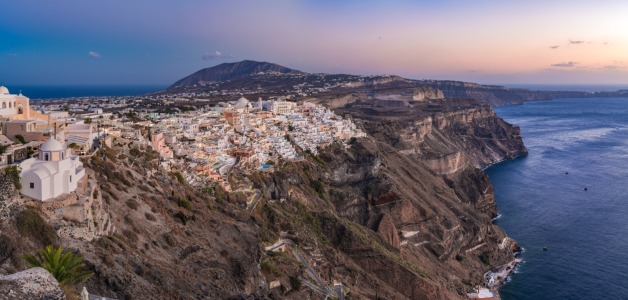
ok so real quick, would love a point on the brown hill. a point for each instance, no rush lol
(231, 71)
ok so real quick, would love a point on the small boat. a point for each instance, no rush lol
(566, 172)
(585, 189)
(545, 248)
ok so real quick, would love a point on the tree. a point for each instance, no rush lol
(88, 121)
(66, 269)
(100, 117)
(66, 108)
(20, 138)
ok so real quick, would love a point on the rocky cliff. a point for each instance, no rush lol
(498, 95)
(495, 95)
(402, 214)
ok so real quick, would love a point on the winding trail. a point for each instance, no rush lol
(327, 291)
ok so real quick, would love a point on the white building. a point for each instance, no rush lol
(53, 173)
(280, 107)
(13, 105)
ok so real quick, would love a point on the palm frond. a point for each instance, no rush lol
(65, 268)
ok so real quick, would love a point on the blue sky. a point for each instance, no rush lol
(159, 42)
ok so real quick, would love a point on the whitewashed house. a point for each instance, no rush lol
(52, 173)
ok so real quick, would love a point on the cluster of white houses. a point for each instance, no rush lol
(204, 144)
(251, 134)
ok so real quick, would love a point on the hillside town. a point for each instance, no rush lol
(203, 144)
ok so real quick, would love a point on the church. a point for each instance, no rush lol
(54, 172)
(13, 106)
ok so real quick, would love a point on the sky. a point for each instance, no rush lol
(158, 42)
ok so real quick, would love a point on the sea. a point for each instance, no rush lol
(68, 91)
(569, 87)
(540, 205)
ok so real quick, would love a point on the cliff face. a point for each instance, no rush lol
(372, 87)
(494, 95)
(154, 254)
(399, 207)
(498, 95)
(402, 214)
(230, 71)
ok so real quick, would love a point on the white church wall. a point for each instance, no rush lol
(35, 192)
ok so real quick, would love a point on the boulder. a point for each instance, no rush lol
(32, 284)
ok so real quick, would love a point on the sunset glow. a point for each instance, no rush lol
(484, 41)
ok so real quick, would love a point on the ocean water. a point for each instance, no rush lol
(570, 87)
(586, 232)
(67, 91)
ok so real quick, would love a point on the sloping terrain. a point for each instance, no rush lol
(230, 71)
(431, 211)
(235, 76)
(402, 214)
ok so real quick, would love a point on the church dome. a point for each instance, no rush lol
(51, 145)
(242, 103)
(3, 90)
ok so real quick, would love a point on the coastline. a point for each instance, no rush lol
(496, 279)
(501, 161)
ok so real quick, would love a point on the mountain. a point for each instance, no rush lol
(322, 85)
(231, 71)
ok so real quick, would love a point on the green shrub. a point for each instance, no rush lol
(20, 138)
(353, 140)
(132, 204)
(135, 152)
(466, 282)
(270, 268)
(219, 199)
(185, 204)
(13, 173)
(368, 190)
(319, 188)
(31, 224)
(95, 193)
(485, 258)
(107, 243)
(270, 163)
(295, 282)
(170, 240)
(179, 178)
(459, 257)
(183, 217)
(210, 207)
(150, 217)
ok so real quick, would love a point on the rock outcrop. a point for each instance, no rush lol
(32, 284)
(9, 197)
